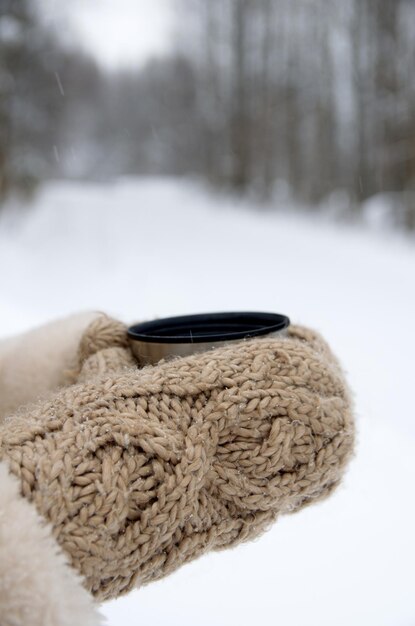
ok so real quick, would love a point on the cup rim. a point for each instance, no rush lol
(224, 326)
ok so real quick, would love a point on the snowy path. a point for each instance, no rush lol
(138, 249)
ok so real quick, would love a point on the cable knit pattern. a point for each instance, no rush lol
(142, 470)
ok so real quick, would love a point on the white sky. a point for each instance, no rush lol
(117, 32)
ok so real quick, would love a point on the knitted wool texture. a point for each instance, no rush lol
(141, 470)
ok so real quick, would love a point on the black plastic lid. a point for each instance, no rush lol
(208, 327)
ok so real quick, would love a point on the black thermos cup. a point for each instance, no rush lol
(189, 334)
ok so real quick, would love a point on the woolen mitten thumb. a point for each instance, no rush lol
(140, 470)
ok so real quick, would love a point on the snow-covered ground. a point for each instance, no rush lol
(139, 249)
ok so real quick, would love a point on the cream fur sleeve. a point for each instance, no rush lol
(37, 362)
(37, 585)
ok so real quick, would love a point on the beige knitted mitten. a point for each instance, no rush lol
(138, 471)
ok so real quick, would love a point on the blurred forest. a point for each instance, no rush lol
(315, 96)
